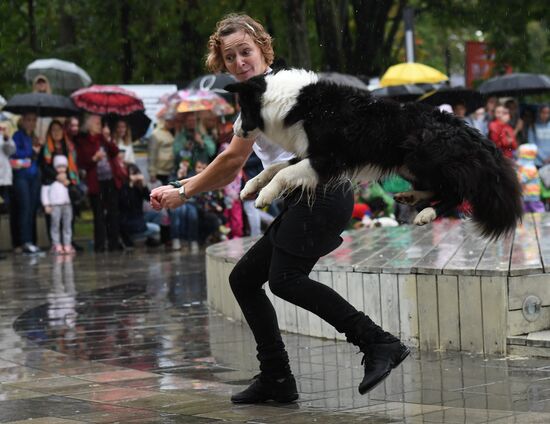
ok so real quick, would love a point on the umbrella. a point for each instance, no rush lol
(2, 102)
(343, 79)
(137, 121)
(452, 95)
(42, 104)
(197, 100)
(104, 99)
(400, 93)
(61, 74)
(516, 84)
(411, 73)
(215, 83)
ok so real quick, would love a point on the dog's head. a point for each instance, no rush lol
(250, 99)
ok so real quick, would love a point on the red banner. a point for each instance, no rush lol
(479, 61)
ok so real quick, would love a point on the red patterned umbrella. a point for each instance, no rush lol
(104, 99)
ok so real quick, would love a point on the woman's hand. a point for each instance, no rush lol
(165, 197)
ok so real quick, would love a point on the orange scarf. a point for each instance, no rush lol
(49, 153)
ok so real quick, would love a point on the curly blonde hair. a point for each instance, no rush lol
(229, 25)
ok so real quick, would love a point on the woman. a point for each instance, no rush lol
(26, 183)
(123, 139)
(58, 143)
(104, 178)
(285, 255)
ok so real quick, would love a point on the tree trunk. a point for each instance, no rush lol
(127, 54)
(330, 35)
(32, 25)
(191, 65)
(371, 17)
(298, 48)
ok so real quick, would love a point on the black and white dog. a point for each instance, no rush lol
(339, 132)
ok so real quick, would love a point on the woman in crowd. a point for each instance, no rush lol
(104, 177)
(58, 143)
(41, 84)
(123, 139)
(7, 148)
(26, 183)
(285, 255)
(161, 150)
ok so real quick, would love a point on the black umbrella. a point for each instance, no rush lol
(400, 93)
(343, 79)
(516, 84)
(453, 95)
(138, 122)
(42, 104)
(215, 83)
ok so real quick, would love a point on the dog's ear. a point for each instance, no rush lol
(235, 87)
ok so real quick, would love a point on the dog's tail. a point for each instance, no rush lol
(496, 196)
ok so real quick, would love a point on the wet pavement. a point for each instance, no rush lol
(128, 338)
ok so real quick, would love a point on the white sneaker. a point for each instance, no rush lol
(194, 247)
(176, 244)
(30, 248)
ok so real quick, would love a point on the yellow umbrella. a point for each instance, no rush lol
(411, 73)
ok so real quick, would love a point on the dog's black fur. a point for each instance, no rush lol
(348, 129)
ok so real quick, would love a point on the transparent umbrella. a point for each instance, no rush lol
(62, 75)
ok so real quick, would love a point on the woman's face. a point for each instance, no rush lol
(28, 122)
(121, 129)
(57, 132)
(545, 114)
(242, 56)
(94, 124)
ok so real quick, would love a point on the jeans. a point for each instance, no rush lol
(153, 232)
(184, 222)
(26, 190)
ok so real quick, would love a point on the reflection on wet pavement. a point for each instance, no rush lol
(128, 338)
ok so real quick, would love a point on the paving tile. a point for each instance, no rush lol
(46, 420)
(110, 376)
(113, 395)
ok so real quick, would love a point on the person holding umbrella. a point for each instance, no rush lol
(41, 84)
(26, 183)
(292, 245)
(104, 177)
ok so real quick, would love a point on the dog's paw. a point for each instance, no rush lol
(425, 216)
(265, 198)
(250, 188)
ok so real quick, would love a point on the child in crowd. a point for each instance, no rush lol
(57, 203)
(502, 133)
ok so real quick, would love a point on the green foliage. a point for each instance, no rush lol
(166, 39)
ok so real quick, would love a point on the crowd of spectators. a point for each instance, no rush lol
(91, 165)
(58, 167)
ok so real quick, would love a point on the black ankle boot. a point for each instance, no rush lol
(379, 360)
(265, 388)
(382, 352)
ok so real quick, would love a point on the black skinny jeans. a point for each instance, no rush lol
(288, 275)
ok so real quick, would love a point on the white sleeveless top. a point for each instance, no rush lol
(268, 152)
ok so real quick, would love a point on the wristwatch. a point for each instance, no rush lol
(180, 187)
